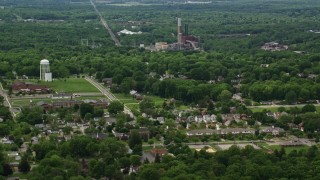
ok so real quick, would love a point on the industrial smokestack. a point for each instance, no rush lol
(179, 30)
(179, 25)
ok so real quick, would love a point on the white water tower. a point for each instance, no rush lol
(45, 74)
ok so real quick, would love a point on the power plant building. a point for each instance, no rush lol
(45, 74)
(185, 41)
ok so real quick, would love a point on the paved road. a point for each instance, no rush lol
(105, 24)
(7, 101)
(109, 95)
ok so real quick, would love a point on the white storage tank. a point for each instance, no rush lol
(44, 68)
(48, 77)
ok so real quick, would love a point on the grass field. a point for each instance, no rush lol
(263, 145)
(125, 98)
(70, 85)
(132, 103)
(183, 107)
(26, 102)
(133, 106)
(157, 100)
(266, 146)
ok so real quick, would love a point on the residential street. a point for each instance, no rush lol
(109, 95)
(7, 103)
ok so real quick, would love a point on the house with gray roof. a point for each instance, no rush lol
(272, 130)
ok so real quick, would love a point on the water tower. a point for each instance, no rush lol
(45, 74)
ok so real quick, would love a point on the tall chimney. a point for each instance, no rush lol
(179, 30)
(179, 25)
(179, 33)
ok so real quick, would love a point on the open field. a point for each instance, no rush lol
(26, 102)
(132, 103)
(266, 146)
(263, 145)
(183, 107)
(157, 100)
(133, 106)
(70, 85)
(125, 98)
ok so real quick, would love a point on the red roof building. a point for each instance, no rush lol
(24, 87)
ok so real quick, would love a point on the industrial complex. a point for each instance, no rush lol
(184, 40)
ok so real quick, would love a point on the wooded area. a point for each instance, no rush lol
(188, 84)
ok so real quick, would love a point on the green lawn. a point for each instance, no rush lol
(133, 106)
(125, 98)
(26, 102)
(183, 107)
(132, 103)
(70, 85)
(157, 100)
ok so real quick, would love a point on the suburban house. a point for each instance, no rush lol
(161, 120)
(202, 118)
(103, 103)
(107, 82)
(6, 141)
(138, 96)
(276, 115)
(71, 103)
(144, 132)
(120, 136)
(161, 152)
(272, 130)
(98, 136)
(110, 120)
(229, 118)
(201, 132)
(234, 131)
